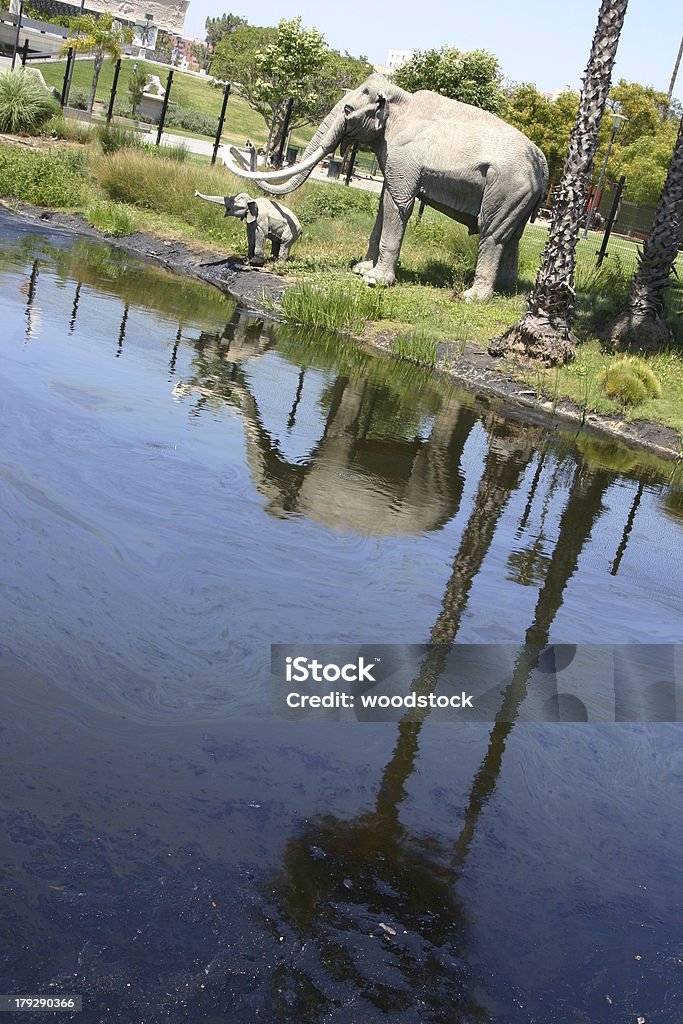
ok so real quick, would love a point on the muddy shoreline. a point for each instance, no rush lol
(470, 365)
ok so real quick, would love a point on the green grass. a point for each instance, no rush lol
(419, 345)
(188, 91)
(111, 218)
(52, 178)
(345, 306)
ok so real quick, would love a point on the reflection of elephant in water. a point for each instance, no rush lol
(459, 159)
(353, 477)
(265, 220)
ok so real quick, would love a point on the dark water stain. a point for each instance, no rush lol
(182, 486)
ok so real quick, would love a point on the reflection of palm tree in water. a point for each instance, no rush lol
(346, 877)
(349, 886)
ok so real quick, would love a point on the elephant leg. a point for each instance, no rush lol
(275, 244)
(257, 248)
(372, 254)
(506, 279)
(394, 222)
(489, 258)
(284, 248)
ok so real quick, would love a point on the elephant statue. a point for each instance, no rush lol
(265, 220)
(456, 158)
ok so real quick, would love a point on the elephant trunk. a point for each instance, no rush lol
(327, 137)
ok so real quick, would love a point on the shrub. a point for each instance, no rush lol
(24, 102)
(335, 306)
(332, 202)
(191, 121)
(53, 178)
(113, 137)
(629, 381)
(112, 218)
(78, 99)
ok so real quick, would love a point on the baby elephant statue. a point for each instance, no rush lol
(265, 219)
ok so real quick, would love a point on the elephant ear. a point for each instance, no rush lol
(252, 211)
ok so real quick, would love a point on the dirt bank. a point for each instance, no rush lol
(469, 365)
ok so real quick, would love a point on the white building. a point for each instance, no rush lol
(397, 58)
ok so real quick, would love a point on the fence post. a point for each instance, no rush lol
(221, 119)
(164, 107)
(16, 37)
(67, 75)
(24, 53)
(285, 129)
(112, 95)
(352, 160)
(610, 220)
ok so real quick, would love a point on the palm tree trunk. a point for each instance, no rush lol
(544, 332)
(99, 60)
(641, 326)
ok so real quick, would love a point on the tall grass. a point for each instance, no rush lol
(24, 102)
(155, 183)
(114, 137)
(67, 128)
(419, 345)
(335, 305)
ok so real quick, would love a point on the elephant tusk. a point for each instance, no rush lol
(235, 162)
(210, 199)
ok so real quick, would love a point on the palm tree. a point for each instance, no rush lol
(100, 35)
(544, 332)
(642, 325)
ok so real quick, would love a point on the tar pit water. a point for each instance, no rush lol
(182, 486)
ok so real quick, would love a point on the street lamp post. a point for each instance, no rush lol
(616, 125)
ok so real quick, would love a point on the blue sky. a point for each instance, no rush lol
(541, 41)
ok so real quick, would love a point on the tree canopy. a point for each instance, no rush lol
(472, 77)
(268, 65)
(546, 122)
(218, 28)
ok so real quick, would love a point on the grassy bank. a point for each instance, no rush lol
(136, 189)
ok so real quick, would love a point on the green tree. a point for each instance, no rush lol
(644, 163)
(218, 28)
(544, 332)
(546, 122)
(642, 324)
(136, 87)
(101, 36)
(471, 77)
(643, 107)
(268, 65)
